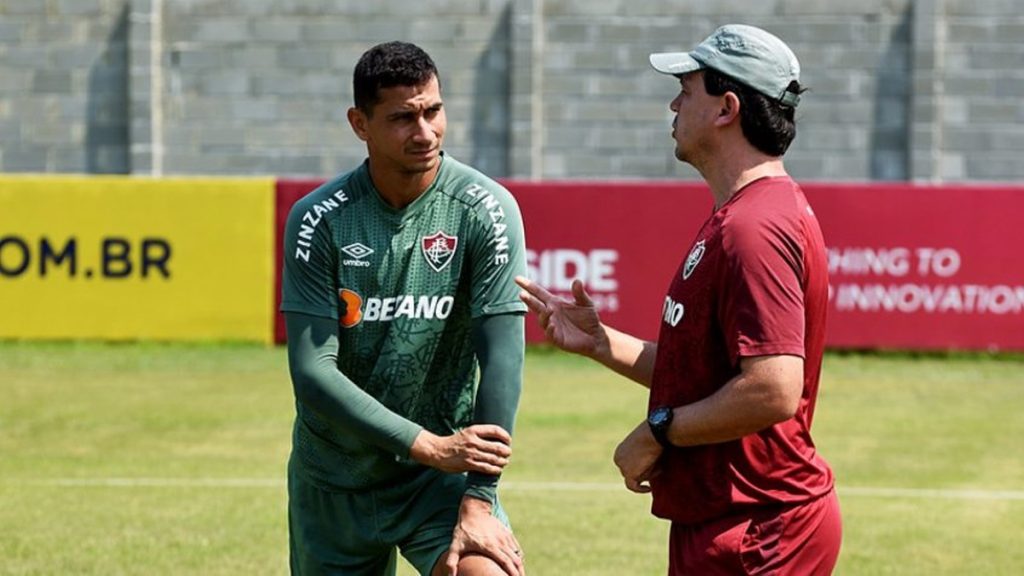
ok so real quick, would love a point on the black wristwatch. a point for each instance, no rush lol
(659, 420)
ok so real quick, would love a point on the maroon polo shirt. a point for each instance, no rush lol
(754, 283)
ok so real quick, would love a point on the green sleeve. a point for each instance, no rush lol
(498, 249)
(499, 342)
(308, 263)
(322, 388)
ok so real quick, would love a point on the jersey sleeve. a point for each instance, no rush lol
(498, 251)
(761, 309)
(499, 342)
(322, 388)
(308, 269)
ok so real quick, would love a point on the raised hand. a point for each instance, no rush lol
(573, 326)
(479, 448)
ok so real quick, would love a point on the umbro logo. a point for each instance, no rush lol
(357, 251)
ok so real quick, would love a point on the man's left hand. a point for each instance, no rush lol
(637, 458)
(479, 532)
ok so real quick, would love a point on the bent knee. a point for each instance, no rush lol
(472, 565)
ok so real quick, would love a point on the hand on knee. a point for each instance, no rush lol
(475, 565)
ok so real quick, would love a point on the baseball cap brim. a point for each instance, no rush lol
(675, 63)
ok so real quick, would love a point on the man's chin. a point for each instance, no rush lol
(422, 166)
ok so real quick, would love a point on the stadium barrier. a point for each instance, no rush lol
(119, 258)
(911, 267)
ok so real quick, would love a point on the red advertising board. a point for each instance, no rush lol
(624, 240)
(912, 267)
(288, 192)
(924, 267)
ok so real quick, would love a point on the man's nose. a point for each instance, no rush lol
(424, 129)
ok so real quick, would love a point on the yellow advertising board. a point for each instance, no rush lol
(122, 258)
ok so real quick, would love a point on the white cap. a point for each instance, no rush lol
(747, 54)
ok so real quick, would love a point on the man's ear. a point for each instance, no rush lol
(729, 110)
(358, 121)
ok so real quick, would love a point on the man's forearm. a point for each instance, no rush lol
(767, 391)
(627, 355)
(499, 342)
(320, 386)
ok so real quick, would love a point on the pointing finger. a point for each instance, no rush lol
(534, 289)
(535, 305)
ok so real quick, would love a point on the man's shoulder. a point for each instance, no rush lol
(770, 217)
(329, 196)
(766, 201)
(471, 186)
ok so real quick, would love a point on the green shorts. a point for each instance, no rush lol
(359, 533)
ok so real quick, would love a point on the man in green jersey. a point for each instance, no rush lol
(397, 286)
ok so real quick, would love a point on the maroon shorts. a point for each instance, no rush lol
(798, 539)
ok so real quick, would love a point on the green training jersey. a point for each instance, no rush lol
(404, 286)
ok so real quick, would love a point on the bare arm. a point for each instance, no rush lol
(767, 391)
(628, 356)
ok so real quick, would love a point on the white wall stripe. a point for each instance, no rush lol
(511, 486)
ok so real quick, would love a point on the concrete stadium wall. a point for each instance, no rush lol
(921, 90)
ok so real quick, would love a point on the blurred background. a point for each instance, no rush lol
(901, 90)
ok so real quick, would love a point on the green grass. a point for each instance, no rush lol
(204, 431)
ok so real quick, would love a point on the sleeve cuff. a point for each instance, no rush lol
(482, 487)
(402, 440)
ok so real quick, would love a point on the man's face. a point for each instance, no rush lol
(695, 114)
(406, 128)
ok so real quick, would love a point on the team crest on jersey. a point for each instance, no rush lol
(693, 259)
(439, 249)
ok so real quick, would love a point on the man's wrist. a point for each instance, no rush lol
(659, 421)
(473, 504)
(424, 448)
(602, 351)
(481, 487)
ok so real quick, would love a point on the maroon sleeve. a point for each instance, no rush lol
(762, 308)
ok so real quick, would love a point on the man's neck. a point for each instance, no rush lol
(728, 178)
(399, 189)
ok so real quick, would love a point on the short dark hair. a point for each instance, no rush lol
(388, 65)
(769, 125)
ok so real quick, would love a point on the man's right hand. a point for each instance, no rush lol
(480, 448)
(573, 326)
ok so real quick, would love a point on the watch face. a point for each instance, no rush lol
(660, 416)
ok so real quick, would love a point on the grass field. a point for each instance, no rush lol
(160, 459)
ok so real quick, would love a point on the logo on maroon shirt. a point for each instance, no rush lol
(439, 249)
(693, 259)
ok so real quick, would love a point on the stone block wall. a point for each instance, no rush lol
(921, 90)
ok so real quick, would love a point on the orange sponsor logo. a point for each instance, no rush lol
(350, 312)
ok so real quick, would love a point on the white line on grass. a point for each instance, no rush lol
(512, 486)
(158, 482)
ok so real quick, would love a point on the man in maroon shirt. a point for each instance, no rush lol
(726, 450)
